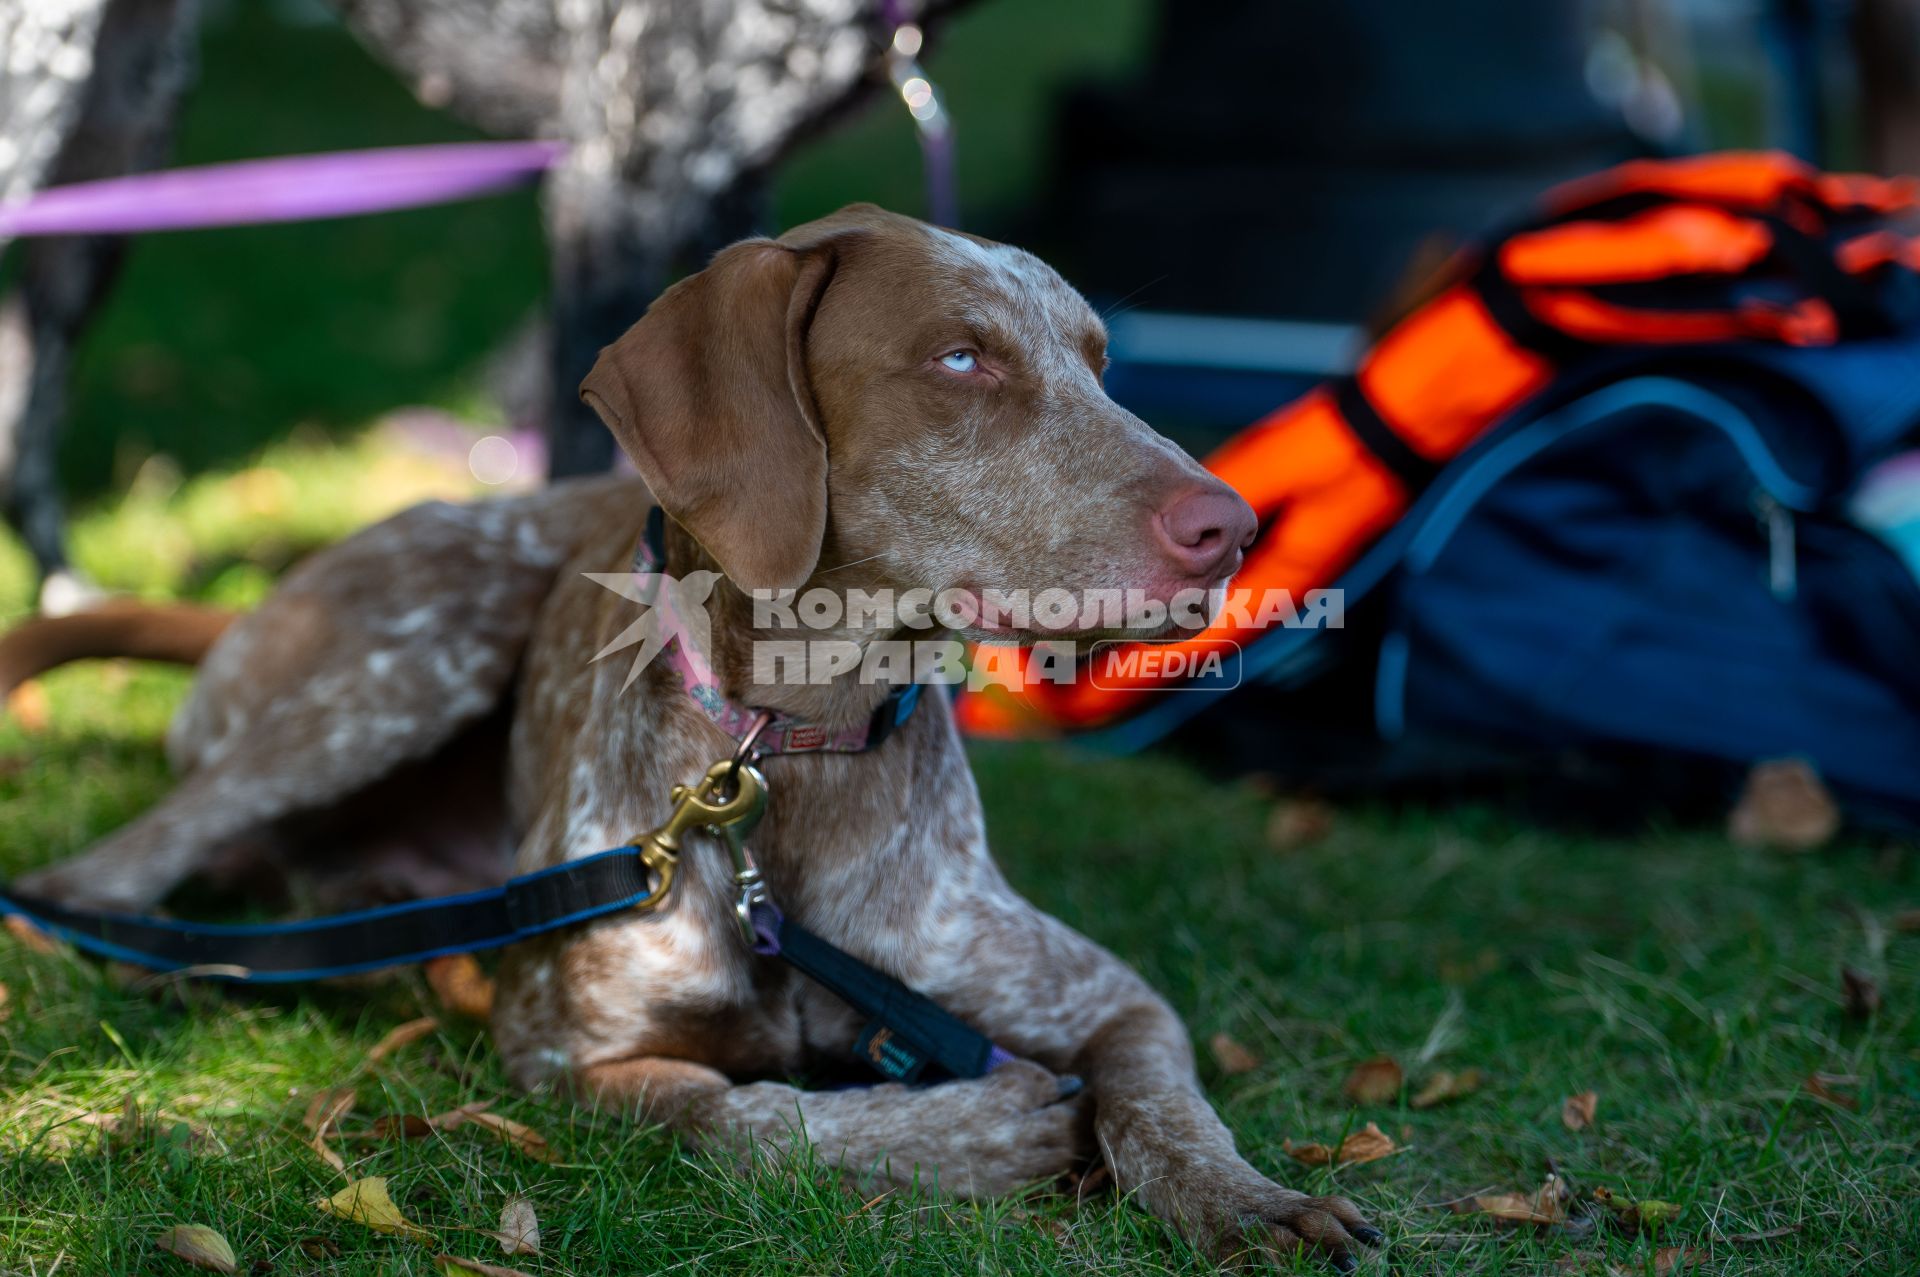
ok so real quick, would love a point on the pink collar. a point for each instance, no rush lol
(782, 733)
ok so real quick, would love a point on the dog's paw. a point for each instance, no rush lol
(1252, 1219)
(989, 1136)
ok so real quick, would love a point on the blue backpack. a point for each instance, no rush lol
(1679, 563)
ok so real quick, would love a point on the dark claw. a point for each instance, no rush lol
(1371, 1236)
(1071, 1086)
(1345, 1263)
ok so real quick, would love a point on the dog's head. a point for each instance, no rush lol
(871, 390)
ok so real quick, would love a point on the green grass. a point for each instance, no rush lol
(1693, 985)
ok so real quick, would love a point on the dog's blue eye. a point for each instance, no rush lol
(960, 361)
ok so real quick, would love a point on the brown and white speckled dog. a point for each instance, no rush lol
(867, 402)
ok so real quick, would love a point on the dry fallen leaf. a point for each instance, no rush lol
(1675, 1259)
(453, 1267)
(365, 1201)
(1577, 1112)
(1232, 1058)
(1444, 1086)
(28, 705)
(461, 985)
(1547, 1206)
(515, 1135)
(319, 1247)
(1862, 994)
(323, 1112)
(30, 936)
(454, 1119)
(1784, 806)
(519, 1231)
(1377, 1081)
(199, 1246)
(1748, 1239)
(1367, 1145)
(1298, 822)
(400, 1126)
(401, 1036)
(1820, 1086)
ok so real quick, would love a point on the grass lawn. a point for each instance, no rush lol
(1693, 986)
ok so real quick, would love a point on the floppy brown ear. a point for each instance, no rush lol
(708, 394)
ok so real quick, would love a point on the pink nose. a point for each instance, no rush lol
(1203, 532)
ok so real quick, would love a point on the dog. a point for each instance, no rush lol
(867, 403)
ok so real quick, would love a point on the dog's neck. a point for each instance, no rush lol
(749, 674)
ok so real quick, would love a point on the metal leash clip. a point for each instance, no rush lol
(727, 802)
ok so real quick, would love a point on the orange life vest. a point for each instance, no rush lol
(1607, 260)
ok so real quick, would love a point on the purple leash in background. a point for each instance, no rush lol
(289, 188)
(298, 188)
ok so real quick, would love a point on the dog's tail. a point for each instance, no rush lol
(180, 633)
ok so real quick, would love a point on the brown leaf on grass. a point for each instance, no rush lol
(461, 985)
(365, 1201)
(402, 1036)
(455, 1267)
(1444, 1086)
(1377, 1081)
(1298, 822)
(1675, 1259)
(1767, 1235)
(1785, 807)
(1232, 1058)
(519, 1231)
(400, 1126)
(1367, 1145)
(1862, 994)
(6, 1004)
(1820, 1087)
(30, 936)
(515, 1135)
(454, 1119)
(28, 705)
(1577, 1112)
(1546, 1206)
(324, 1111)
(319, 1247)
(199, 1246)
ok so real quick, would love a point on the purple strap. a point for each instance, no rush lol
(285, 189)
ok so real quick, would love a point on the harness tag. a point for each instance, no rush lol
(892, 1055)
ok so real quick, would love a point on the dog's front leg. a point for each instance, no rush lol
(1042, 990)
(1164, 1142)
(979, 1138)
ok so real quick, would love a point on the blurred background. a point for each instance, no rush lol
(1320, 145)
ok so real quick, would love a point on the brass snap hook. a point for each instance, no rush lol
(728, 800)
